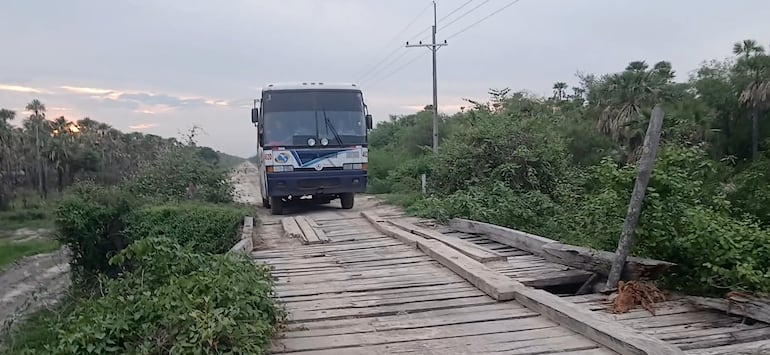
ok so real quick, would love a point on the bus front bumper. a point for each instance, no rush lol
(297, 183)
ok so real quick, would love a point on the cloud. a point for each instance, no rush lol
(145, 101)
(143, 126)
(19, 88)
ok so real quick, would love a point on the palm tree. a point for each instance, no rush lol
(37, 119)
(747, 48)
(623, 96)
(559, 90)
(756, 95)
(6, 135)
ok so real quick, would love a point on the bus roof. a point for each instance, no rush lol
(311, 85)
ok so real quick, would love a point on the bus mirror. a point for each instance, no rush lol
(254, 115)
(369, 124)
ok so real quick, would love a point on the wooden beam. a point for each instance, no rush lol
(612, 334)
(404, 237)
(565, 254)
(738, 304)
(309, 235)
(319, 232)
(517, 239)
(491, 282)
(290, 228)
(246, 243)
(601, 261)
(646, 163)
(472, 250)
(602, 330)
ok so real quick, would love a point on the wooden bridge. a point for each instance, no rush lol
(373, 281)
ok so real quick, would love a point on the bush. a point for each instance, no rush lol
(175, 301)
(90, 222)
(685, 219)
(170, 177)
(525, 153)
(206, 228)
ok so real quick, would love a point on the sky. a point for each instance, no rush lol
(161, 67)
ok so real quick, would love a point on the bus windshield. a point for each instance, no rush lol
(292, 118)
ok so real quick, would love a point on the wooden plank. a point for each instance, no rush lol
(458, 345)
(613, 335)
(401, 335)
(493, 283)
(601, 261)
(309, 235)
(578, 257)
(319, 232)
(472, 250)
(517, 239)
(290, 228)
(738, 304)
(406, 238)
(752, 348)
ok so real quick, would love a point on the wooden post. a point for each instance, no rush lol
(646, 162)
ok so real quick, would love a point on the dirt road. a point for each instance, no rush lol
(34, 282)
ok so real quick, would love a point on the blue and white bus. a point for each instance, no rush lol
(312, 141)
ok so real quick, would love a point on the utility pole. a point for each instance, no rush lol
(433, 47)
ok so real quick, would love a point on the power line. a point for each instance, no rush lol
(463, 15)
(377, 70)
(453, 11)
(396, 37)
(406, 64)
(375, 73)
(483, 18)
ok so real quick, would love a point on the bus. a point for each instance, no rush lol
(312, 143)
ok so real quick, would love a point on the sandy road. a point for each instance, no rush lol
(34, 282)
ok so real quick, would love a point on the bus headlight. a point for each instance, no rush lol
(324, 141)
(354, 166)
(282, 168)
(311, 142)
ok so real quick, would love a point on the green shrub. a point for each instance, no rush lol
(90, 222)
(525, 153)
(205, 227)
(685, 219)
(174, 302)
(170, 176)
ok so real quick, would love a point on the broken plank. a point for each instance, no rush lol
(319, 232)
(517, 239)
(309, 235)
(290, 228)
(601, 261)
(472, 250)
(738, 304)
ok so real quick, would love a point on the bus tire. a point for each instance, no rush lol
(347, 200)
(265, 203)
(276, 206)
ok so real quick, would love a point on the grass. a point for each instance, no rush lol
(35, 331)
(11, 252)
(25, 218)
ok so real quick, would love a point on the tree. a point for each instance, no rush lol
(37, 120)
(756, 94)
(559, 91)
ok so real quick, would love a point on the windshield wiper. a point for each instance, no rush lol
(331, 127)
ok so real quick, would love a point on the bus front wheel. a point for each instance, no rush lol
(347, 200)
(276, 205)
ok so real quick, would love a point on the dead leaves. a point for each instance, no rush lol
(633, 293)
